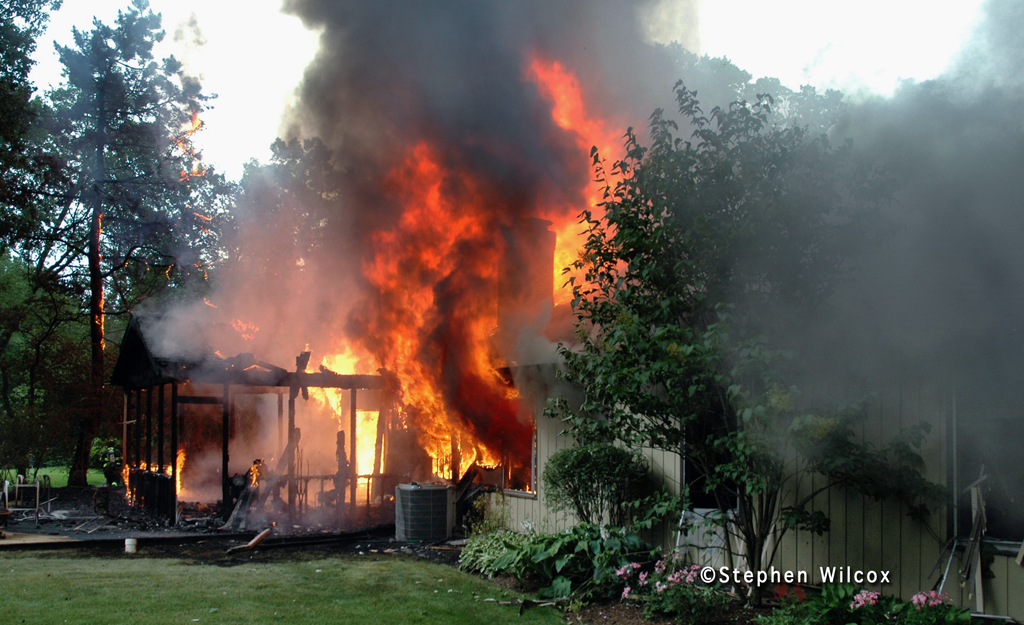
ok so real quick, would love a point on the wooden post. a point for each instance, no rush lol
(378, 448)
(137, 460)
(292, 394)
(280, 423)
(225, 479)
(160, 430)
(149, 429)
(456, 457)
(174, 445)
(378, 455)
(352, 460)
(124, 429)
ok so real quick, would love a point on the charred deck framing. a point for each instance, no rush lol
(141, 374)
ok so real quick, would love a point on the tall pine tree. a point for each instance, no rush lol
(123, 123)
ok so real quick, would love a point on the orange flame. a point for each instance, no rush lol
(196, 169)
(560, 87)
(437, 270)
(433, 320)
(179, 466)
(246, 330)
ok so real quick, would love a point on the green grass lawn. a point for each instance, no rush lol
(59, 476)
(50, 588)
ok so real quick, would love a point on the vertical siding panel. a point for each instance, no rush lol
(854, 532)
(910, 555)
(822, 556)
(786, 554)
(958, 592)
(838, 529)
(1015, 590)
(933, 411)
(932, 567)
(892, 546)
(910, 530)
(892, 511)
(873, 512)
(995, 588)
(804, 542)
(855, 518)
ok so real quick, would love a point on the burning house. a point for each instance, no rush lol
(323, 448)
(420, 261)
(420, 256)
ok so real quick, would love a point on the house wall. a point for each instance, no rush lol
(865, 535)
(537, 383)
(869, 535)
(532, 510)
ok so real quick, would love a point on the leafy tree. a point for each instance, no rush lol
(21, 22)
(708, 251)
(143, 206)
(43, 343)
(286, 206)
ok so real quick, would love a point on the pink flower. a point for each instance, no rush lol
(863, 598)
(627, 570)
(930, 599)
(625, 593)
(643, 578)
(660, 587)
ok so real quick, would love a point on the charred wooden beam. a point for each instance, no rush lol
(199, 399)
(174, 443)
(161, 415)
(289, 455)
(328, 379)
(138, 428)
(225, 480)
(353, 464)
(149, 428)
(280, 423)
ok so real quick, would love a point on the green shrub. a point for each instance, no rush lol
(846, 604)
(485, 553)
(580, 561)
(595, 481)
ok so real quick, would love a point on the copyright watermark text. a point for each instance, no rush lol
(828, 574)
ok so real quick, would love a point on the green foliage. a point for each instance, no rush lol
(846, 604)
(686, 604)
(708, 251)
(649, 511)
(43, 344)
(595, 481)
(488, 553)
(487, 516)
(21, 22)
(672, 589)
(580, 562)
(122, 124)
(137, 213)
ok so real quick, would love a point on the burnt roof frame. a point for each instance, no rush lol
(137, 367)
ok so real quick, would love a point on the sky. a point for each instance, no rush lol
(254, 59)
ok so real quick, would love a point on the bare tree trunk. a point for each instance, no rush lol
(88, 423)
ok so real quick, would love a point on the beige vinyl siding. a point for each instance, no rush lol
(865, 534)
(869, 535)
